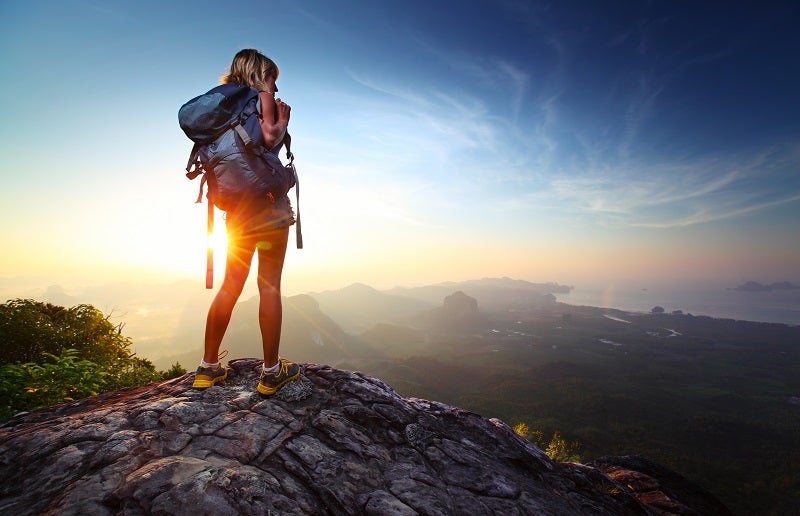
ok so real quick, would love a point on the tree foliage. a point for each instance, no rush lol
(29, 328)
(558, 449)
(58, 379)
(50, 354)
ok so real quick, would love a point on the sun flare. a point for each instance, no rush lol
(218, 240)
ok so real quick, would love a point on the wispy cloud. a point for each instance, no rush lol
(430, 126)
(528, 146)
(711, 215)
(675, 194)
(499, 75)
(641, 106)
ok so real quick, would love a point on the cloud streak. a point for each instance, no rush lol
(456, 136)
(538, 131)
(678, 194)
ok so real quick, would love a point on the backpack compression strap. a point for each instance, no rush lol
(298, 230)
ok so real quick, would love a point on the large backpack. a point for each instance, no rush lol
(230, 154)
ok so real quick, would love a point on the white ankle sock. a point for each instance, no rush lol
(273, 369)
(203, 363)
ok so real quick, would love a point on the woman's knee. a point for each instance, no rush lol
(270, 270)
(269, 285)
(234, 281)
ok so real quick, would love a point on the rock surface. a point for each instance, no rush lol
(332, 442)
(662, 490)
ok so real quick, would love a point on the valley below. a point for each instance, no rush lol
(717, 400)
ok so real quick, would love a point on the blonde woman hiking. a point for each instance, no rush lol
(260, 227)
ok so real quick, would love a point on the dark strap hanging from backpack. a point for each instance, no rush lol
(298, 230)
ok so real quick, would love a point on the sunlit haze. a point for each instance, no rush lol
(574, 142)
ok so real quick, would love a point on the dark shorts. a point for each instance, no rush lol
(256, 226)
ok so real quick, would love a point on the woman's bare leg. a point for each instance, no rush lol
(237, 267)
(271, 254)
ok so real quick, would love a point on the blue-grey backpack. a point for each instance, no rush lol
(230, 154)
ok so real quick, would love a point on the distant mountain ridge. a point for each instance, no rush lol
(307, 334)
(358, 307)
(754, 286)
(488, 291)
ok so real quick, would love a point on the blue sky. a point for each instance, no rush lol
(442, 140)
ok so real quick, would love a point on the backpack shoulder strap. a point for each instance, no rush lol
(248, 142)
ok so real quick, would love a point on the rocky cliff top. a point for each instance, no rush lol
(332, 442)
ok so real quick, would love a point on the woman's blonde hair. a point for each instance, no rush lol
(250, 68)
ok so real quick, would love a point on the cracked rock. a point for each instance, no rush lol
(331, 442)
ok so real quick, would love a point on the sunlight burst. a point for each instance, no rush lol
(218, 241)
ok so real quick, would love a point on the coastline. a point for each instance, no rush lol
(719, 302)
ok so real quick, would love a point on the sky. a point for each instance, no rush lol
(566, 141)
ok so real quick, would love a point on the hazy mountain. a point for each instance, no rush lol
(322, 327)
(459, 305)
(310, 335)
(396, 341)
(358, 306)
(458, 313)
(455, 314)
(493, 294)
(56, 295)
(754, 286)
(307, 333)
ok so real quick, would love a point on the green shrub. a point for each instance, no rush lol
(558, 449)
(50, 354)
(29, 328)
(59, 379)
(173, 372)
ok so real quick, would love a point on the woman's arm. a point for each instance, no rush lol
(275, 119)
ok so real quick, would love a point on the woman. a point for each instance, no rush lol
(263, 227)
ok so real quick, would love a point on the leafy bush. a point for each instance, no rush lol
(62, 378)
(558, 448)
(50, 354)
(173, 372)
(29, 328)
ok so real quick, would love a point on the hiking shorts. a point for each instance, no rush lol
(255, 226)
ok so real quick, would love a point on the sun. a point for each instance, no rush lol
(218, 241)
(217, 249)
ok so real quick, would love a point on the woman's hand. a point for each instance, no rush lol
(275, 119)
(283, 111)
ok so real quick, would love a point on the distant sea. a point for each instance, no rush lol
(778, 306)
